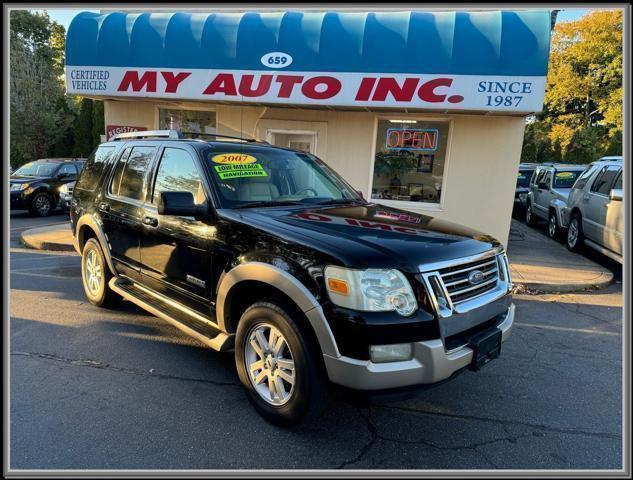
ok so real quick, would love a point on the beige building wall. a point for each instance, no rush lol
(480, 170)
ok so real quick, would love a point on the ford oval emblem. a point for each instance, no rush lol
(475, 277)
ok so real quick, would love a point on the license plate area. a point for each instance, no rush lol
(486, 346)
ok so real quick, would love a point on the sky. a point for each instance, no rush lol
(64, 16)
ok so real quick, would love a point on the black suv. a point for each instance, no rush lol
(35, 186)
(268, 252)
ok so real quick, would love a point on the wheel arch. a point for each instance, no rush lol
(87, 227)
(249, 282)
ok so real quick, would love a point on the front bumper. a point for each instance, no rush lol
(19, 200)
(431, 363)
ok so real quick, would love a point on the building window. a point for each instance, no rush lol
(196, 121)
(410, 159)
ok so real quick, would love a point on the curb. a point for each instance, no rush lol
(30, 239)
(604, 281)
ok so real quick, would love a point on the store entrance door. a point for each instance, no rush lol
(301, 140)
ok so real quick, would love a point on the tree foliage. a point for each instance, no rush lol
(44, 120)
(582, 114)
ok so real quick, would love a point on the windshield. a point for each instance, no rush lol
(523, 178)
(36, 169)
(257, 175)
(565, 179)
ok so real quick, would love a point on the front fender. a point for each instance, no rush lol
(286, 283)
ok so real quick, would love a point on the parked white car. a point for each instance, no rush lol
(595, 210)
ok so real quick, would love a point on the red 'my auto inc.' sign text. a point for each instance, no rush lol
(112, 130)
(446, 92)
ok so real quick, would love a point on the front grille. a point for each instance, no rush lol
(458, 285)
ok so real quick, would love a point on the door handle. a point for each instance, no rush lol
(104, 206)
(151, 221)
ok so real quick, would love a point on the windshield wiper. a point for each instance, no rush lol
(341, 201)
(268, 203)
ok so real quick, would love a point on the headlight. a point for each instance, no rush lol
(63, 188)
(16, 187)
(370, 290)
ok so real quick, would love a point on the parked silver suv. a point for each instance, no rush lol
(594, 210)
(547, 196)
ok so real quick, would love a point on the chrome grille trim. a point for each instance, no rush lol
(450, 292)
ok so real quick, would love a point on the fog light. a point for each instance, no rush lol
(391, 353)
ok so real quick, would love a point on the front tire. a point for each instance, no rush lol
(96, 275)
(575, 236)
(279, 365)
(41, 204)
(553, 229)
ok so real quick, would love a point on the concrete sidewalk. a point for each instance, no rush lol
(540, 263)
(536, 262)
(55, 237)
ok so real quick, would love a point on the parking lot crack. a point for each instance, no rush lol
(373, 436)
(129, 371)
(535, 426)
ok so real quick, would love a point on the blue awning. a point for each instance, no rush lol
(511, 43)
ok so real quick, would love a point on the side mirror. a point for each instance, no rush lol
(63, 175)
(180, 204)
(616, 194)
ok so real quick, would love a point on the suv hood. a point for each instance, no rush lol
(24, 179)
(370, 235)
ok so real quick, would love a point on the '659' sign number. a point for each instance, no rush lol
(276, 60)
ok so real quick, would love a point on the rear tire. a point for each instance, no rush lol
(96, 275)
(575, 236)
(553, 229)
(265, 372)
(530, 219)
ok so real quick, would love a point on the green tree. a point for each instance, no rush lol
(38, 118)
(84, 140)
(98, 122)
(582, 114)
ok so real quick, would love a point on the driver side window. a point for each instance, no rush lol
(177, 172)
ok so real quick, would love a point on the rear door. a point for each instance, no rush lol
(595, 203)
(121, 208)
(176, 252)
(543, 193)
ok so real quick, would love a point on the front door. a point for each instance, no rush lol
(176, 252)
(121, 207)
(304, 141)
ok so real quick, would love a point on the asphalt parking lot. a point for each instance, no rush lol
(110, 389)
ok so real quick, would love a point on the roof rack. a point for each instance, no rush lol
(177, 135)
(146, 134)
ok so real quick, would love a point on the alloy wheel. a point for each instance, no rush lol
(42, 204)
(93, 272)
(269, 363)
(572, 235)
(552, 226)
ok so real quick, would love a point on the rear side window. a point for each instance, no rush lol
(68, 169)
(618, 182)
(585, 176)
(129, 174)
(604, 180)
(537, 177)
(177, 172)
(547, 180)
(91, 173)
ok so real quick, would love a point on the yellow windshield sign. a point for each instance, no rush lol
(234, 158)
(227, 172)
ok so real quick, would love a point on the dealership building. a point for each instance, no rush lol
(423, 111)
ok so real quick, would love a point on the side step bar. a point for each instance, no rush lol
(190, 322)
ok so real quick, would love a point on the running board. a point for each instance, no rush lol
(190, 322)
(606, 252)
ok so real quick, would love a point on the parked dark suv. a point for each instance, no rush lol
(268, 252)
(36, 185)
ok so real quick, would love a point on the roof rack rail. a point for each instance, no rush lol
(147, 134)
(217, 135)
